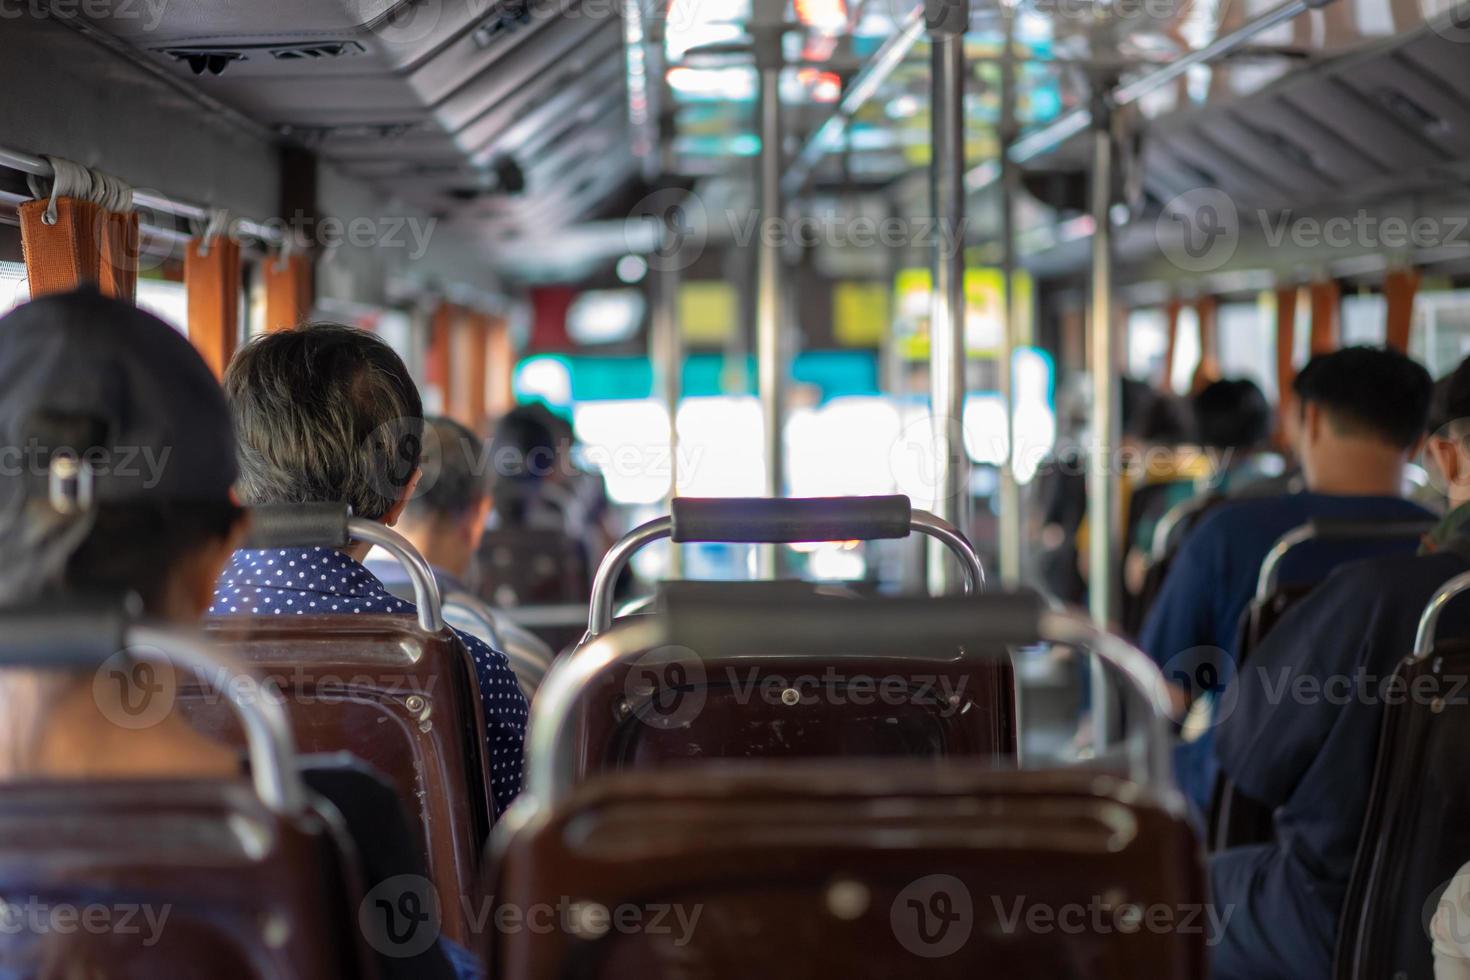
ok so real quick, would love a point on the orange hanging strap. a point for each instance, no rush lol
(1326, 298)
(1171, 343)
(1285, 352)
(437, 360)
(1207, 309)
(289, 290)
(212, 281)
(59, 242)
(84, 232)
(1399, 289)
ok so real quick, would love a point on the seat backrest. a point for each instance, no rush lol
(402, 700)
(868, 871)
(137, 880)
(531, 567)
(1416, 831)
(676, 706)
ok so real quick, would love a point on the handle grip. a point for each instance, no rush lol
(760, 520)
(299, 526)
(70, 637)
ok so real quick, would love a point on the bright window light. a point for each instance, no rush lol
(695, 23)
(628, 442)
(547, 377)
(606, 316)
(14, 287)
(842, 448)
(169, 301)
(720, 442)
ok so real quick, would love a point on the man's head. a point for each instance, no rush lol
(1232, 414)
(326, 414)
(446, 518)
(1361, 414)
(1449, 442)
(117, 460)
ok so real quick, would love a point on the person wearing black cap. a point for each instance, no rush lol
(117, 466)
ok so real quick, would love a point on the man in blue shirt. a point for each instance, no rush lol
(1361, 417)
(1310, 756)
(328, 414)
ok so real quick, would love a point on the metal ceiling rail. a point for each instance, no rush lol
(1077, 120)
(864, 86)
(36, 166)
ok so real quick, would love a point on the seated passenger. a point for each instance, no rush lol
(1449, 932)
(1312, 758)
(1234, 417)
(99, 380)
(1362, 413)
(445, 521)
(328, 414)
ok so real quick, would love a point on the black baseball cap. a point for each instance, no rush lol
(101, 402)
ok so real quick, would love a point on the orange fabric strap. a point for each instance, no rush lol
(85, 245)
(1326, 297)
(1171, 343)
(1207, 308)
(1285, 348)
(1399, 290)
(289, 291)
(212, 279)
(437, 360)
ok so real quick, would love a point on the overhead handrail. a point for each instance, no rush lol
(40, 167)
(761, 520)
(75, 638)
(333, 526)
(987, 626)
(1329, 531)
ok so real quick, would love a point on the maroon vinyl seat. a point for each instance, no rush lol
(180, 880)
(402, 700)
(683, 708)
(528, 567)
(854, 871)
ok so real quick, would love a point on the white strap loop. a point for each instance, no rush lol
(71, 179)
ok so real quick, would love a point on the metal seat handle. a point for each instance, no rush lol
(773, 521)
(333, 526)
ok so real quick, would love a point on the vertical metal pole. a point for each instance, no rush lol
(770, 368)
(668, 359)
(1010, 492)
(1102, 494)
(947, 21)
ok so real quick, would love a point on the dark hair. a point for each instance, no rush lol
(324, 413)
(454, 472)
(108, 552)
(1157, 418)
(1232, 414)
(1369, 389)
(525, 444)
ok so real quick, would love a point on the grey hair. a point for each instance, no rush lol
(324, 413)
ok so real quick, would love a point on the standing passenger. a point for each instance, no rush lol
(329, 414)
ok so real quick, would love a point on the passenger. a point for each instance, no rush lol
(1311, 758)
(1234, 417)
(326, 414)
(119, 387)
(1362, 413)
(445, 521)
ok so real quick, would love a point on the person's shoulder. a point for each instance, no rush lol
(1224, 523)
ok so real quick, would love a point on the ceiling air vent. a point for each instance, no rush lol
(214, 59)
(507, 17)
